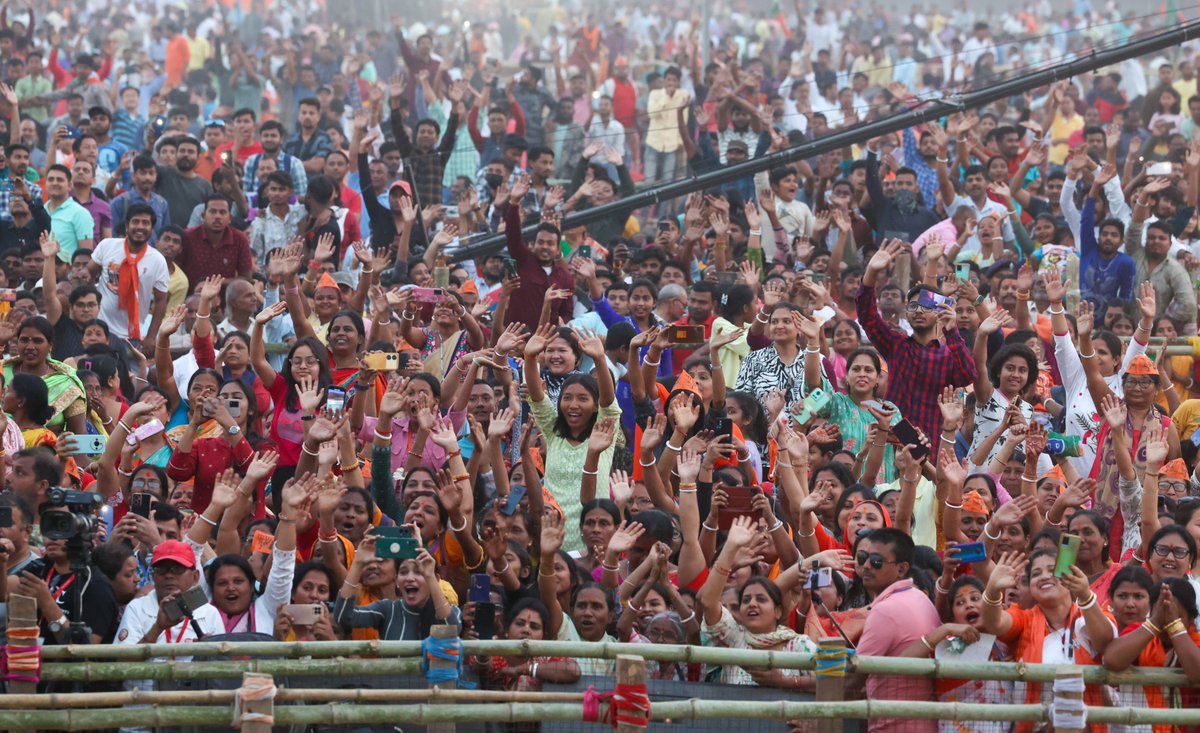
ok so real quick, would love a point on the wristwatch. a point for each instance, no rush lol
(57, 625)
(233, 430)
(979, 300)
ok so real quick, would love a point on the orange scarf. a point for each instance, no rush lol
(127, 290)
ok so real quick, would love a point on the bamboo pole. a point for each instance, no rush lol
(304, 695)
(443, 632)
(421, 714)
(388, 658)
(831, 687)
(631, 671)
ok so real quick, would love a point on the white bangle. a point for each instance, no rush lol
(206, 519)
(591, 473)
(756, 232)
(812, 351)
(450, 526)
(777, 525)
(1089, 604)
(407, 317)
(743, 460)
(710, 529)
(647, 362)
(988, 534)
(691, 617)
(1060, 312)
(533, 671)
(952, 506)
(645, 465)
(672, 447)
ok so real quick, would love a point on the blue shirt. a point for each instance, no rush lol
(1100, 280)
(120, 206)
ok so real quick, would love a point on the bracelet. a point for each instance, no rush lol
(109, 421)
(365, 271)
(348, 583)
(385, 437)
(812, 351)
(610, 568)
(1030, 480)
(937, 584)
(944, 439)
(1051, 522)
(305, 449)
(1175, 628)
(691, 617)
(414, 454)
(206, 519)
(545, 575)
(743, 460)
(631, 607)
(688, 485)
(289, 520)
(810, 534)
(461, 477)
(1140, 327)
(989, 602)
(1088, 603)
(591, 473)
(307, 418)
(1088, 356)
(927, 644)
(122, 424)
(988, 534)
(715, 367)
(784, 465)
(721, 571)
(647, 362)
(710, 529)
(645, 465)
(457, 453)
(450, 526)
(914, 479)
(755, 232)
(952, 506)
(763, 321)
(672, 447)
(941, 160)
(1060, 312)
(204, 318)
(776, 526)
(1148, 626)
(292, 291)
(352, 467)
(533, 670)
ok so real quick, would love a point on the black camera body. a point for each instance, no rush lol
(80, 522)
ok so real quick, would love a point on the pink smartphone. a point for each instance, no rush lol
(141, 432)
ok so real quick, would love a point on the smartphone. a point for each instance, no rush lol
(513, 500)
(6, 517)
(428, 295)
(234, 407)
(485, 620)
(933, 301)
(664, 226)
(873, 404)
(818, 278)
(141, 432)
(72, 133)
(335, 399)
(908, 435)
(726, 279)
(584, 251)
(740, 504)
(820, 578)
(969, 552)
(192, 598)
(1068, 552)
(686, 334)
(86, 445)
(159, 124)
(962, 271)
(305, 614)
(8, 295)
(397, 543)
(141, 504)
(816, 400)
(481, 588)
(510, 267)
(724, 426)
(383, 361)
(452, 212)
(895, 234)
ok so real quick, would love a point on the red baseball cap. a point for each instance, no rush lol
(175, 551)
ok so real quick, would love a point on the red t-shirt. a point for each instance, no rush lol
(287, 430)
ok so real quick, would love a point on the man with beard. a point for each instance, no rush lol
(271, 137)
(145, 176)
(28, 218)
(425, 158)
(975, 186)
(308, 143)
(701, 302)
(491, 275)
(919, 366)
(1104, 271)
(539, 265)
(179, 184)
(1172, 282)
(83, 304)
(132, 276)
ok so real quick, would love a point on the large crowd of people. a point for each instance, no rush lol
(914, 392)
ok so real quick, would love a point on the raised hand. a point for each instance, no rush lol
(1147, 301)
(886, 255)
(652, 434)
(603, 435)
(626, 537)
(539, 339)
(1113, 410)
(262, 466)
(262, 317)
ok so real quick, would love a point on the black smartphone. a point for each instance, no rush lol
(510, 267)
(481, 588)
(141, 504)
(6, 517)
(724, 426)
(485, 620)
(908, 435)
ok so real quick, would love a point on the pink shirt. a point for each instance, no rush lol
(899, 617)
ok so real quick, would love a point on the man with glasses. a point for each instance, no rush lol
(146, 620)
(920, 366)
(901, 616)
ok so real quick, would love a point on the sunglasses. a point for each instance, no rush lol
(877, 561)
(1179, 553)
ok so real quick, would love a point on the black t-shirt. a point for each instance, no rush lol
(101, 611)
(68, 338)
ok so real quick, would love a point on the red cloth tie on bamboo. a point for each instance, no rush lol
(629, 704)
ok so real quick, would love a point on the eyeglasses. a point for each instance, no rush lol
(877, 561)
(304, 361)
(167, 569)
(1166, 487)
(1142, 382)
(1179, 553)
(914, 307)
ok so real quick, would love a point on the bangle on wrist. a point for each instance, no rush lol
(987, 532)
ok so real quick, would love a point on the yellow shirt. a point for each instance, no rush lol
(1187, 418)
(731, 355)
(663, 133)
(200, 52)
(177, 289)
(1061, 129)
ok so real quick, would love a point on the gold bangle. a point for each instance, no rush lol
(1149, 626)
(989, 602)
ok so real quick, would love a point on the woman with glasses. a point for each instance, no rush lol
(1066, 616)
(306, 362)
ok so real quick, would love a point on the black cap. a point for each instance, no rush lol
(515, 141)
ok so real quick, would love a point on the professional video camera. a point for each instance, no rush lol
(79, 523)
(77, 527)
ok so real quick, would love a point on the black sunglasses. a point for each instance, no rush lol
(877, 561)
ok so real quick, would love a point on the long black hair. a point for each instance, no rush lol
(588, 382)
(324, 375)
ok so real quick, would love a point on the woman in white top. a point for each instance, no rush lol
(1011, 373)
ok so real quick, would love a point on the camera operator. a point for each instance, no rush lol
(51, 581)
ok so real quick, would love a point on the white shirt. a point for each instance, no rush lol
(989, 207)
(153, 276)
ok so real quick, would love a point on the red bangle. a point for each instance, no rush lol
(329, 537)
(455, 453)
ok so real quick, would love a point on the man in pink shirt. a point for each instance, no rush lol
(900, 615)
